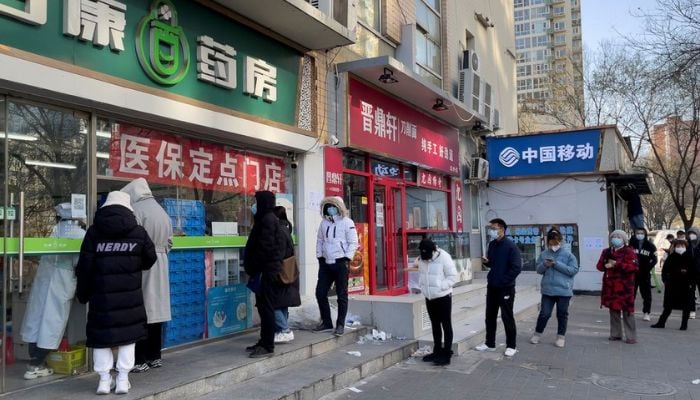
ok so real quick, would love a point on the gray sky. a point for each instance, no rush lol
(603, 19)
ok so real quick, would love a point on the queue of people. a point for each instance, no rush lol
(122, 273)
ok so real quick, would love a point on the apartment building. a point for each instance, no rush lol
(549, 63)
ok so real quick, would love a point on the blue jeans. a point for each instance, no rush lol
(548, 302)
(282, 320)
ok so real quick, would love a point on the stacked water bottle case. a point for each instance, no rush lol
(187, 278)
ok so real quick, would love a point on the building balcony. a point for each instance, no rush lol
(312, 24)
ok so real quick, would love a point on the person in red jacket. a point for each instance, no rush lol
(619, 266)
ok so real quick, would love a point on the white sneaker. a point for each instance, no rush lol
(37, 372)
(510, 352)
(647, 317)
(105, 386)
(692, 315)
(284, 337)
(535, 339)
(484, 347)
(561, 341)
(123, 386)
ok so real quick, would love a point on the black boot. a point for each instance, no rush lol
(443, 358)
(434, 355)
(658, 325)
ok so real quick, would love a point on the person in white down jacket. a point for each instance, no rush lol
(437, 276)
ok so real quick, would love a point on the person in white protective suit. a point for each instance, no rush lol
(51, 297)
(156, 281)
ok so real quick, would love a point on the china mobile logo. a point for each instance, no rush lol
(509, 157)
(161, 44)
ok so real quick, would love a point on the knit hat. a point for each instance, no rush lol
(63, 211)
(619, 234)
(118, 198)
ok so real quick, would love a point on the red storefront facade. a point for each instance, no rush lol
(399, 176)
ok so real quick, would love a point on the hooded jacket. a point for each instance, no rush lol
(114, 253)
(156, 281)
(557, 280)
(678, 276)
(337, 236)
(646, 254)
(437, 276)
(266, 244)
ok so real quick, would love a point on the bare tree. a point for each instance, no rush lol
(659, 211)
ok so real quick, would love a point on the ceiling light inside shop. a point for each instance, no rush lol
(102, 134)
(48, 164)
(102, 154)
(20, 136)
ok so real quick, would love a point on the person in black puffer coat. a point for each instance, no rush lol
(288, 294)
(114, 253)
(646, 255)
(264, 253)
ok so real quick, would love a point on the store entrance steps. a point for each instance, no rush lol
(203, 368)
(468, 317)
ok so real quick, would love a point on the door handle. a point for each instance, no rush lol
(21, 239)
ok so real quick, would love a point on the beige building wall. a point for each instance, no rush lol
(494, 44)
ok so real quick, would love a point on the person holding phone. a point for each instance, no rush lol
(619, 266)
(558, 268)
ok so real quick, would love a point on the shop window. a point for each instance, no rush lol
(410, 173)
(474, 207)
(354, 162)
(426, 209)
(48, 161)
(207, 188)
(531, 240)
(355, 197)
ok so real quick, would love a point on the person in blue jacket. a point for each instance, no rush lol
(558, 268)
(505, 263)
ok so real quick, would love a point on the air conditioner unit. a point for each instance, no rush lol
(495, 120)
(479, 171)
(314, 3)
(470, 60)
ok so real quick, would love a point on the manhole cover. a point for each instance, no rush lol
(634, 386)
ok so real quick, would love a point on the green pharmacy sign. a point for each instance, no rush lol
(180, 47)
(161, 45)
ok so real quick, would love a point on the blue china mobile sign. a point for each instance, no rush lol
(543, 154)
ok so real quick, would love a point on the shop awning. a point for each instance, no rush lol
(637, 180)
(413, 89)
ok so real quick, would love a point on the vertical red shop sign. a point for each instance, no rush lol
(458, 196)
(333, 171)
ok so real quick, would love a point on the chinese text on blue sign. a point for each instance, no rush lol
(543, 154)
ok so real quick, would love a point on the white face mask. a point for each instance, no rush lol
(639, 236)
(692, 237)
(680, 250)
(493, 234)
(555, 248)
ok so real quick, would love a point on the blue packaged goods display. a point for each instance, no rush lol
(187, 216)
(187, 298)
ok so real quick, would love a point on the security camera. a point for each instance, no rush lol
(333, 140)
(294, 165)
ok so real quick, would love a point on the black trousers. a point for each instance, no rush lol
(37, 355)
(642, 283)
(500, 299)
(667, 313)
(148, 350)
(440, 313)
(327, 275)
(267, 319)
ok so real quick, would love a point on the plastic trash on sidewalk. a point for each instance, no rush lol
(423, 351)
(355, 353)
(696, 382)
(379, 335)
(307, 316)
(352, 320)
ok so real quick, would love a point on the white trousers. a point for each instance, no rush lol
(104, 360)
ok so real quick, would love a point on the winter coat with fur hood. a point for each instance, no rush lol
(337, 236)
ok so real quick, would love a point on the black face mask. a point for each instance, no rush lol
(426, 254)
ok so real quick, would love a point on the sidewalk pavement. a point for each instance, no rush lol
(662, 365)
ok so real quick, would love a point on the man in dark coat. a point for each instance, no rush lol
(114, 253)
(264, 253)
(678, 275)
(646, 256)
(505, 263)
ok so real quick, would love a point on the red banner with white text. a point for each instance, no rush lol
(168, 159)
